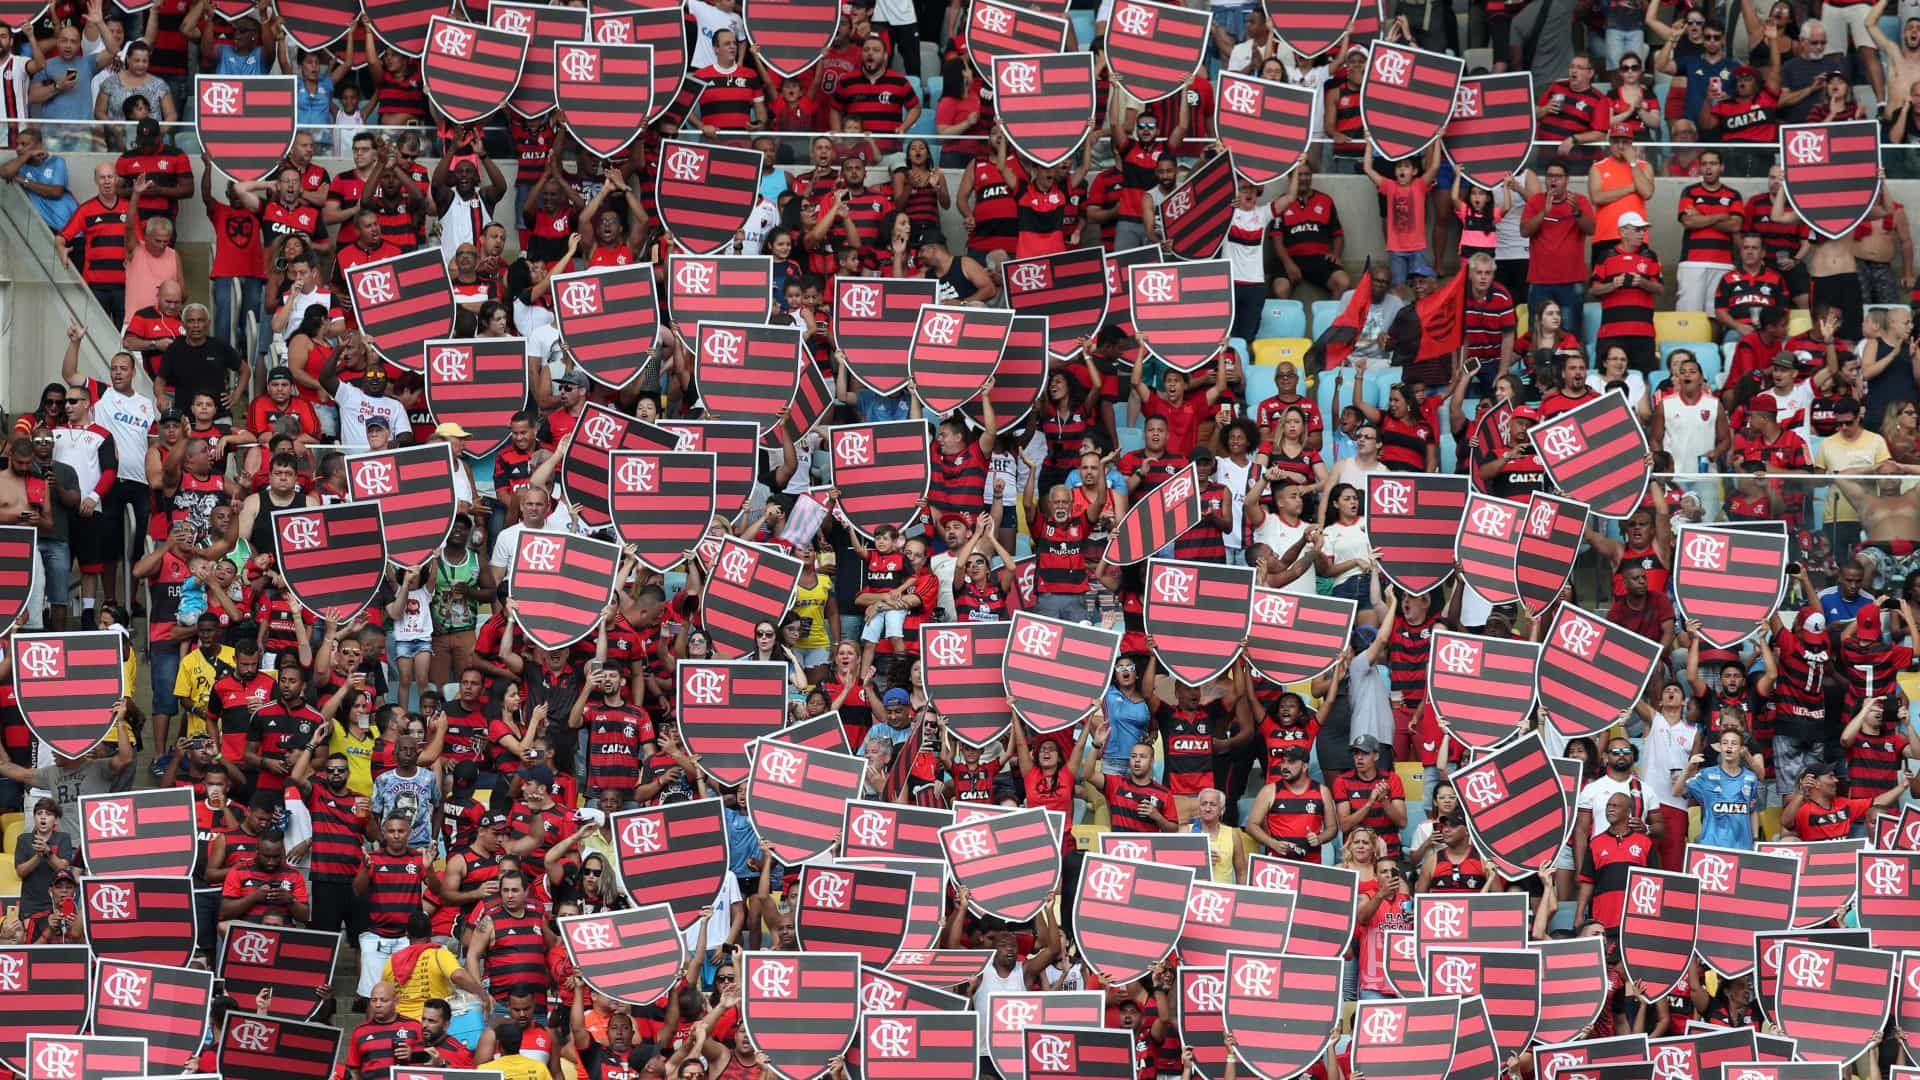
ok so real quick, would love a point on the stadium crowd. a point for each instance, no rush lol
(439, 790)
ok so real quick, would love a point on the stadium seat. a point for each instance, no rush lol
(1082, 26)
(1282, 319)
(1131, 438)
(1380, 383)
(1590, 323)
(1799, 321)
(1260, 385)
(929, 97)
(1268, 352)
(1519, 320)
(1324, 312)
(15, 825)
(1704, 351)
(1326, 385)
(1242, 351)
(1681, 326)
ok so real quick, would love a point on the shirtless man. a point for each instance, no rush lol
(1902, 59)
(1833, 271)
(1888, 510)
(16, 507)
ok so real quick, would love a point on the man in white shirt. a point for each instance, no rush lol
(712, 18)
(362, 402)
(537, 511)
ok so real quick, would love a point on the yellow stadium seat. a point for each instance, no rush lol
(1286, 350)
(1520, 320)
(1087, 837)
(9, 835)
(1681, 326)
(9, 878)
(1799, 321)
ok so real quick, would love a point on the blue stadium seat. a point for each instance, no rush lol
(1704, 351)
(1131, 438)
(929, 91)
(1590, 323)
(1082, 26)
(1260, 385)
(1323, 394)
(1380, 383)
(1282, 318)
(1726, 358)
(1324, 312)
(1242, 351)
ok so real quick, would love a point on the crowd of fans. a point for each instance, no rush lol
(424, 780)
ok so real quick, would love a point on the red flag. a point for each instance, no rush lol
(1442, 320)
(1336, 342)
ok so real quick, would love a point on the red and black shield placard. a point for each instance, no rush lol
(586, 460)
(1597, 455)
(1543, 557)
(1906, 991)
(717, 288)
(1831, 173)
(953, 352)
(674, 855)
(735, 448)
(545, 26)
(871, 316)
(1573, 986)
(1127, 915)
(1742, 893)
(881, 470)
(1326, 900)
(1411, 1038)
(812, 398)
(1468, 921)
(1766, 958)
(1068, 288)
(1728, 580)
(1591, 671)
(1010, 1013)
(746, 371)
(1515, 808)
(19, 552)
(633, 955)
(1490, 132)
(607, 317)
(1592, 1055)
(1827, 876)
(704, 192)
(1156, 520)
(940, 967)
(84, 1057)
(1293, 637)
(1008, 863)
(1411, 519)
(142, 918)
(920, 1045)
(333, 558)
(1055, 672)
(790, 36)
(46, 989)
(1221, 917)
(749, 584)
(469, 70)
(560, 584)
(1203, 1027)
(661, 503)
(1077, 1053)
(879, 830)
(293, 963)
(1658, 927)
(1507, 981)
(401, 303)
(139, 832)
(1045, 103)
(261, 1048)
(1283, 1009)
(1153, 49)
(1481, 688)
(315, 24)
(166, 1006)
(1407, 97)
(995, 28)
(66, 687)
(1403, 963)
(478, 383)
(1314, 26)
(1182, 312)
(402, 25)
(824, 731)
(606, 92)
(1264, 125)
(857, 909)
(1019, 379)
(1833, 999)
(413, 486)
(884, 991)
(960, 663)
(245, 122)
(1484, 544)
(795, 797)
(1194, 219)
(1185, 849)
(926, 907)
(724, 705)
(800, 1008)
(1474, 1056)
(662, 28)
(1790, 1070)
(1888, 906)
(1197, 614)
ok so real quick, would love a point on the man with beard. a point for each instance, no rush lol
(340, 819)
(370, 245)
(962, 280)
(383, 1040)
(363, 401)
(235, 697)
(1620, 779)
(619, 1058)
(438, 1048)
(265, 886)
(1137, 802)
(55, 486)
(465, 207)
(880, 99)
(282, 728)
(390, 880)
(617, 736)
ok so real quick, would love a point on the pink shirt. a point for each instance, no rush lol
(1406, 214)
(145, 273)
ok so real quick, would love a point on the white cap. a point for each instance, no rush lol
(1633, 219)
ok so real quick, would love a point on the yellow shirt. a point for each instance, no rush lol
(194, 687)
(811, 606)
(359, 755)
(431, 978)
(1838, 453)
(518, 1067)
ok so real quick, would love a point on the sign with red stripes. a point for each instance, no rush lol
(749, 584)
(1157, 519)
(84, 1057)
(47, 994)
(796, 797)
(884, 991)
(1767, 948)
(1221, 917)
(1490, 132)
(1597, 454)
(1481, 688)
(705, 192)
(871, 316)
(139, 832)
(1407, 97)
(141, 918)
(1831, 173)
(311, 25)
(953, 352)
(1326, 902)
(1008, 863)
(882, 471)
(723, 706)
(468, 69)
(1543, 556)
(608, 316)
(1018, 381)
(1293, 637)
(19, 553)
(605, 92)
(413, 486)
(718, 288)
(1574, 986)
(882, 830)
(1078, 1053)
(333, 558)
(165, 1006)
(478, 383)
(1485, 542)
(297, 965)
(1194, 219)
(402, 25)
(800, 1008)
(1742, 893)
(1506, 980)
(264, 1048)
(586, 459)
(1196, 615)
(960, 664)
(545, 27)
(1827, 873)
(995, 28)
(1411, 520)
(1591, 671)
(746, 371)
(1056, 672)
(1264, 124)
(1153, 49)
(1833, 999)
(1887, 903)
(1728, 580)
(1283, 1009)
(634, 955)
(940, 967)
(1045, 103)
(674, 855)
(1201, 1005)
(1010, 1013)
(1127, 915)
(857, 909)
(1590, 1055)
(401, 303)
(735, 447)
(561, 584)
(1182, 312)
(790, 36)
(926, 914)
(1659, 927)
(1068, 288)
(1410, 1038)
(920, 1045)
(661, 503)
(1515, 808)
(1313, 26)
(245, 122)
(660, 27)
(67, 686)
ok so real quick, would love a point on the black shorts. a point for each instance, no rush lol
(1316, 269)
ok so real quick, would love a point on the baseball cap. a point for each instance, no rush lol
(896, 696)
(172, 416)
(1789, 360)
(1365, 744)
(575, 378)
(1632, 219)
(281, 372)
(450, 430)
(1813, 623)
(495, 820)
(954, 519)
(1866, 623)
(379, 422)
(537, 774)
(1525, 412)
(1421, 269)
(1745, 71)
(64, 875)
(1765, 403)
(1620, 131)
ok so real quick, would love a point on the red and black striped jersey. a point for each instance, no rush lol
(879, 102)
(393, 890)
(1709, 244)
(1310, 225)
(1628, 312)
(102, 229)
(338, 831)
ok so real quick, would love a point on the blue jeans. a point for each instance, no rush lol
(1401, 263)
(1233, 20)
(235, 331)
(56, 560)
(164, 664)
(1572, 299)
(1621, 42)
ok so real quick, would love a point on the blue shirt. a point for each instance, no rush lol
(234, 63)
(1127, 724)
(742, 842)
(773, 185)
(313, 108)
(52, 172)
(1726, 799)
(74, 104)
(1838, 608)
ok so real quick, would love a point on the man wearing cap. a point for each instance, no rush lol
(1363, 795)
(1556, 223)
(1800, 727)
(1748, 115)
(1518, 471)
(1454, 864)
(363, 401)
(1625, 281)
(1619, 185)
(278, 401)
(60, 923)
(572, 389)
(1765, 440)
(168, 171)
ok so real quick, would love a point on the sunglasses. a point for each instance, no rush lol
(589, 873)
(1629, 67)
(726, 978)
(1620, 751)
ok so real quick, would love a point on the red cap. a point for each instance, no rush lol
(1525, 412)
(1866, 623)
(1620, 131)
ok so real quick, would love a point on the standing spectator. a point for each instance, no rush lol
(1571, 110)
(152, 328)
(1802, 77)
(100, 224)
(1489, 320)
(1748, 116)
(1406, 198)
(1625, 281)
(197, 362)
(1728, 794)
(1712, 215)
(41, 174)
(1365, 796)
(882, 101)
(734, 95)
(239, 266)
(1619, 185)
(1789, 243)
(1308, 239)
(1556, 222)
(151, 259)
(63, 89)
(168, 173)
(1748, 292)
(1610, 857)
(39, 853)
(134, 80)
